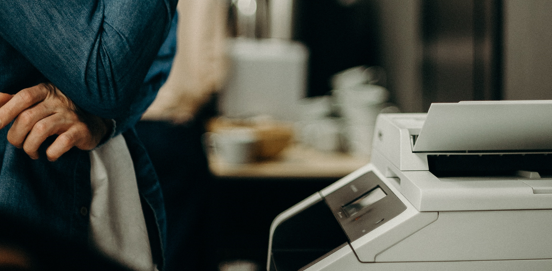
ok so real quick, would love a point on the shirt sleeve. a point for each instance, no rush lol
(96, 52)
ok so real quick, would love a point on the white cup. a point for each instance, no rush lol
(322, 134)
(359, 139)
(233, 146)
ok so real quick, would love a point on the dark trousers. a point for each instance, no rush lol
(180, 161)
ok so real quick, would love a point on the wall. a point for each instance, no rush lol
(527, 53)
(527, 57)
(401, 51)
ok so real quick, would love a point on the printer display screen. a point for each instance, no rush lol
(363, 204)
(364, 201)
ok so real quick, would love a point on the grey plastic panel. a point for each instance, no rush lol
(366, 217)
(487, 126)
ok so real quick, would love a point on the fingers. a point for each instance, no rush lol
(73, 134)
(24, 99)
(25, 122)
(61, 145)
(76, 134)
(41, 112)
(4, 98)
(41, 130)
(65, 141)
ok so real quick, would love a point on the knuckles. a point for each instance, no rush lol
(30, 96)
(15, 141)
(67, 139)
(31, 151)
(25, 116)
(41, 128)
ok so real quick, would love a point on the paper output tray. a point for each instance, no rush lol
(487, 126)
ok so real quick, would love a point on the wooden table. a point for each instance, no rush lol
(294, 162)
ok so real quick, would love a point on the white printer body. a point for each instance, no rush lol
(467, 186)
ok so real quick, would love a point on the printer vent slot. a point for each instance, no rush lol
(484, 165)
(391, 175)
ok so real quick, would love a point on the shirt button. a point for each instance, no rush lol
(83, 211)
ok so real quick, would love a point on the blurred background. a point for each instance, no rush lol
(278, 98)
(431, 50)
(306, 60)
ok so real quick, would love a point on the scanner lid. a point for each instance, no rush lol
(482, 126)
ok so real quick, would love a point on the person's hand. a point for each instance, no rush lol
(43, 111)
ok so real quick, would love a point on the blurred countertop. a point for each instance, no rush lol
(296, 161)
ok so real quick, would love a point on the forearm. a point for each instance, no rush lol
(96, 53)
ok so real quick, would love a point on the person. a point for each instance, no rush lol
(71, 78)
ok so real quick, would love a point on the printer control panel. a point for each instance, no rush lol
(363, 205)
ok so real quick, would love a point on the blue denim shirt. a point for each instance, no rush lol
(97, 53)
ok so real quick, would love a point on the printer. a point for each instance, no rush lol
(467, 186)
